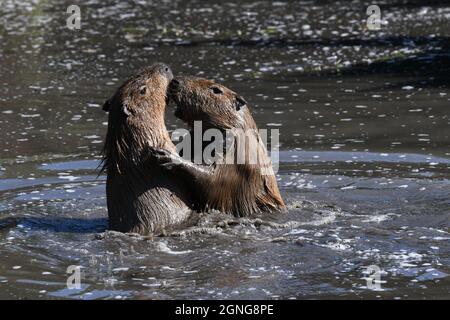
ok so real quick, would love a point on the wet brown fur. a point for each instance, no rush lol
(239, 189)
(140, 197)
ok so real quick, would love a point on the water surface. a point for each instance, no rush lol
(364, 162)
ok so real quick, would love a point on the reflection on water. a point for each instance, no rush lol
(364, 162)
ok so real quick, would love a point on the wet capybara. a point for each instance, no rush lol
(141, 198)
(240, 188)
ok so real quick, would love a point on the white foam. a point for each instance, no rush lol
(163, 247)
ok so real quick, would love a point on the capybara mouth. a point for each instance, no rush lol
(174, 87)
(174, 90)
(179, 110)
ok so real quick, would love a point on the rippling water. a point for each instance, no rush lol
(364, 164)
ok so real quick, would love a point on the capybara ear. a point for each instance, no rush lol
(106, 106)
(240, 102)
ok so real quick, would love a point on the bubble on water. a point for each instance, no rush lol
(163, 247)
(441, 238)
(380, 218)
(69, 178)
(34, 115)
(190, 271)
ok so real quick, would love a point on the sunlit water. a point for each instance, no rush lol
(364, 162)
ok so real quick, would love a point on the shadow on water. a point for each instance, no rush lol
(305, 41)
(416, 4)
(430, 63)
(55, 224)
(431, 66)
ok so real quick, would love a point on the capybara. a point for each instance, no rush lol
(240, 188)
(141, 197)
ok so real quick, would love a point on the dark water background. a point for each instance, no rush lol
(364, 122)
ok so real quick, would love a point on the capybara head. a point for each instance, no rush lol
(136, 115)
(200, 99)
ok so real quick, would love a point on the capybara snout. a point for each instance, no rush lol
(140, 90)
(200, 99)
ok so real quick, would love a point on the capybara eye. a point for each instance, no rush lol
(143, 90)
(216, 90)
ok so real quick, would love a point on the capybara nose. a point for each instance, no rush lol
(164, 69)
